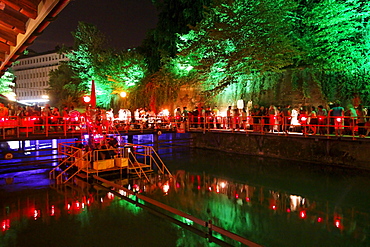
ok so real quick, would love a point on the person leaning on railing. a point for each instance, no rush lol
(337, 112)
(361, 120)
(312, 120)
(322, 115)
(55, 118)
(286, 113)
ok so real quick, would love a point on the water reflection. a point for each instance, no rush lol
(264, 215)
(271, 202)
(75, 216)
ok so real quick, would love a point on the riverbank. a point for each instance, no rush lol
(342, 151)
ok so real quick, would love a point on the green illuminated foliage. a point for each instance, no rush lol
(6, 83)
(337, 43)
(238, 38)
(126, 70)
(112, 72)
(336, 33)
(64, 87)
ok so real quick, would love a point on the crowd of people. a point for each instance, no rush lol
(309, 120)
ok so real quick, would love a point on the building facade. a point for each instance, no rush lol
(32, 76)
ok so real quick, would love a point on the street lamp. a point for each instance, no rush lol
(87, 99)
(123, 94)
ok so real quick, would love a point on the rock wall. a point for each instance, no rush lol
(345, 152)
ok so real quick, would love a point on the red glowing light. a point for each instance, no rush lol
(337, 223)
(319, 219)
(247, 199)
(288, 210)
(177, 185)
(36, 214)
(236, 196)
(339, 120)
(274, 207)
(302, 214)
(198, 187)
(5, 225)
(87, 98)
(52, 211)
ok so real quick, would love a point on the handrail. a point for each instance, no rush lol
(63, 162)
(48, 125)
(164, 167)
(148, 152)
(82, 158)
(141, 171)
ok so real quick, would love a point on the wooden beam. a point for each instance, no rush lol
(14, 20)
(26, 7)
(4, 48)
(2, 56)
(7, 36)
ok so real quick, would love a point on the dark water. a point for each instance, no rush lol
(271, 202)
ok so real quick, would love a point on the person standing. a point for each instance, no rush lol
(55, 118)
(312, 120)
(46, 116)
(216, 117)
(3, 110)
(74, 117)
(361, 120)
(229, 115)
(255, 120)
(322, 115)
(286, 118)
(273, 121)
(338, 114)
(177, 116)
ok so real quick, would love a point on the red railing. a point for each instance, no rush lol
(350, 126)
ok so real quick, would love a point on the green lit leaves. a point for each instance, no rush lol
(6, 84)
(240, 37)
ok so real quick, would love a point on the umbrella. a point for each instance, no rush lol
(93, 95)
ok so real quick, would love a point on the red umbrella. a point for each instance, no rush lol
(93, 95)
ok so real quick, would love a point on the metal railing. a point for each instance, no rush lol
(139, 157)
(16, 126)
(150, 157)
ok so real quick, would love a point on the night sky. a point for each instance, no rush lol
(124, 23)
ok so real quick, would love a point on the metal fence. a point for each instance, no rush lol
(14, 126)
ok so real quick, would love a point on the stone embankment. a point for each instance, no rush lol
(344, 151)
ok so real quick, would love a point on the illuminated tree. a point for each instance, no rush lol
(112, 72)
(238, 38)
(158, 89)
(64, 87)
(336, 41)
(125, 70)
(6, 84)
